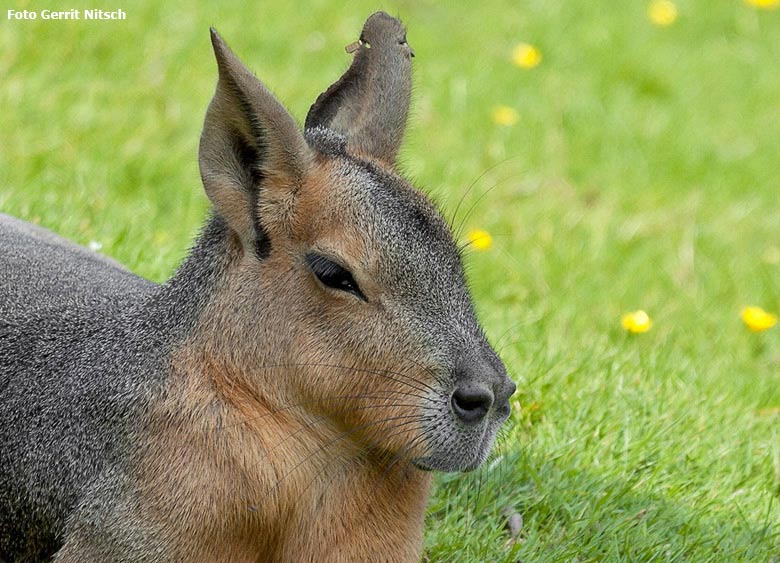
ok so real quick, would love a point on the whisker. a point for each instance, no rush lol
(436, 377)
(501, 444)
(342, 436)
(504, 334)
(474, 183)
(463, 246)
(381, 372)
(399, 455)
(277, 410)
(459, 231)
(408, 381)
(370, 445)
(480, 481)
(326, 417)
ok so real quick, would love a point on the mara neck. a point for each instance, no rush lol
(173, 308)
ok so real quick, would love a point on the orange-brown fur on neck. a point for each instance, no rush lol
(248, 470)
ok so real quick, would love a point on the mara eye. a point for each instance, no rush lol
(333, 275)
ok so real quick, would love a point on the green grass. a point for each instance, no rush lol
(643, 173)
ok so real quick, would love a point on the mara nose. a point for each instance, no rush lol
(508, 389)
(471, 403)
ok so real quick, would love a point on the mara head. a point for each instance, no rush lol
(345, 291)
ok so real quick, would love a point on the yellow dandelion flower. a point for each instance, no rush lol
(636, 322)
(764, 4)
(526, 56)
(504, 115)
(757, 320)
(662, 12)
(481, 240)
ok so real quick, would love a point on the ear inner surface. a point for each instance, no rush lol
(249, 143)
(369, 104)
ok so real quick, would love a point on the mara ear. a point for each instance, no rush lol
(249, 144)
(370, 102)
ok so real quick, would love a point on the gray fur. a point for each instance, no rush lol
(247, 135)
(83, 344)
(370, 102)
(86, 345)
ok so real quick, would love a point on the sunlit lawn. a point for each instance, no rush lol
(621, 165)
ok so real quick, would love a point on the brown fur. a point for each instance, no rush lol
(248, 471)
(298, 419)
(245, 458)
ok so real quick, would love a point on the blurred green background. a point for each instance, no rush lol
(638, 169)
